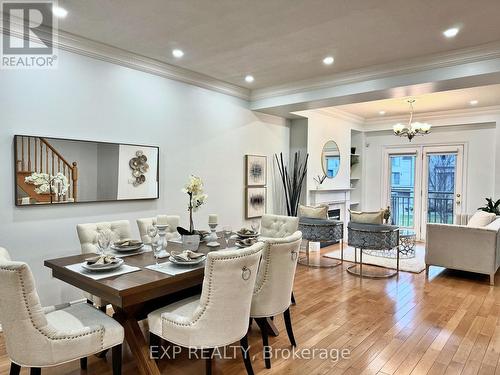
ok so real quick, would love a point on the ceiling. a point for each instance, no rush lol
(282, 41)
(433, 102)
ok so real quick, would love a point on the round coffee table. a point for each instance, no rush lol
(407, 241)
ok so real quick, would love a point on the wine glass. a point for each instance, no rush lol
(152, 233)
(255, 226)
(227, 233)
(157, 245)
(103, 241)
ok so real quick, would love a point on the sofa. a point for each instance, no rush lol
(462, 247)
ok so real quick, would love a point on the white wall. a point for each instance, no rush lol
(480, 156)
(321, 129)
(198, 132)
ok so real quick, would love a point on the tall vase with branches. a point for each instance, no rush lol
(292, 180)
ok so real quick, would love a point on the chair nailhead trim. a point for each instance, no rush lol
(202, 312)
(39, 329)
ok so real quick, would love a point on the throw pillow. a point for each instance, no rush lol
(495, 225)
(314, 212)
(481, 219)
(376, 217)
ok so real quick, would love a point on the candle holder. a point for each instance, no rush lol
(162, 232)
(212, 240)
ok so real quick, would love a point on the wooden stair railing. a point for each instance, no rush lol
(36, 154)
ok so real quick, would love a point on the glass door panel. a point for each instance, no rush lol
(402, 190)
(441, 173)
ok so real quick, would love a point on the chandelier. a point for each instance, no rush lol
(412, 128)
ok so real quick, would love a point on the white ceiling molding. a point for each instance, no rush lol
(338, 113)
(440, 118)
(457, 57)
(85, 47)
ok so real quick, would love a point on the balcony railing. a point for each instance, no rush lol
(439, 208)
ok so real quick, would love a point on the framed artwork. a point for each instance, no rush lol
(256, 170)
(256, 202)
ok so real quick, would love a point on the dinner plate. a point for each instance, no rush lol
(241, 235)
(242, 245)
(124, 249)
(191, 263)
(103, 267)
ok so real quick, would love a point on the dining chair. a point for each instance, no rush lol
(37, 337)
(219, 316)
(87, 234)
(171, 232)
(278, 226)
(274, 284)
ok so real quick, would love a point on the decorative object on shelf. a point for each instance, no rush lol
(491, 206)
(255, 202)
(256, 170)
(412, 128)
(319, 180)
(53, 185)
(387, 215)
(354, 159)
(139, 165)
(292, 184)
(353, 150)
(330, 159)
(194, 190)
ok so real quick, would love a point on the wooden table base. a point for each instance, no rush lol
(137, 343)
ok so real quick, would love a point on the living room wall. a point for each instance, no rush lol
(198, 131)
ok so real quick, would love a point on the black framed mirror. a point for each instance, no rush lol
(62, 171)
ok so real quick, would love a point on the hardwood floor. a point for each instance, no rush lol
(449, 324)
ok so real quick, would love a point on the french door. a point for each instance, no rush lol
(424, 185)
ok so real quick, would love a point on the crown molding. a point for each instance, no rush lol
(339, 114)
(72, 43)
(479, 53)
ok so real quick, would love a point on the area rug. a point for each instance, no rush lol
(415, 265)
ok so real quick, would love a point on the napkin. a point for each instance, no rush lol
(186, 255)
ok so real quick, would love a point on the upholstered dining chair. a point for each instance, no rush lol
(143, 224)
(38, 337)
(87, 234)
(278, 226)
(274, 286)
(219, 316)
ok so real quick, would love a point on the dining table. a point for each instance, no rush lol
(134, 295)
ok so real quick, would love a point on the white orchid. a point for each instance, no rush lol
(194, 188)
(48, 184)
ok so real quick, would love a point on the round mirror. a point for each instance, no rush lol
(330, 159)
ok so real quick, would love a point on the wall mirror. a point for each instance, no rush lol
(58, 171)
(330, 159)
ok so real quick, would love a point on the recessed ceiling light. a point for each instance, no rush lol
(381, 113)
(474, 102)
(177, 53)
(59, 12)
(451, 32)
(328, 60)
(249, 78)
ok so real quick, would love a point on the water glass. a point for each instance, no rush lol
(152, 232)
(103, 241)
(255, 226)
(157, 245)
(227, 233)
